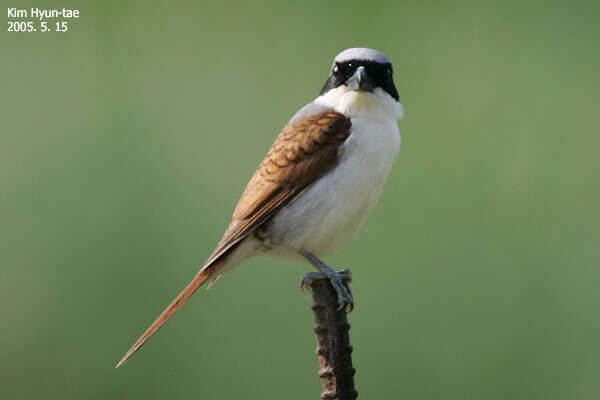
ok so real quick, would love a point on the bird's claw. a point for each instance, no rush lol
(307, 280)
(340, 282)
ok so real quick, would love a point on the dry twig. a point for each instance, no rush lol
(334, 350)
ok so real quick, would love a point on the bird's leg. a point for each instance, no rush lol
(339, 280)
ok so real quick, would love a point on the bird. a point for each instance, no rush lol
(318, 183)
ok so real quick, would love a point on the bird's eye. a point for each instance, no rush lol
(335, 69)
(389, 71)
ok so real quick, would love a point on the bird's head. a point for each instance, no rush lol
(361, 80)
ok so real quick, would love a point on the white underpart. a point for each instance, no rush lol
(334, 208)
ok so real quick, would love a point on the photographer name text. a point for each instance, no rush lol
(34, 19)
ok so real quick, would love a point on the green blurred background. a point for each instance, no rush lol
(126, 142)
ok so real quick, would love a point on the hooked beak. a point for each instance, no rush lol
(360, 80)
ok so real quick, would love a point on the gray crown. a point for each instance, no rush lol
(362, 53)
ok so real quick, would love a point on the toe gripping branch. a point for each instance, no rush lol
(334, 349)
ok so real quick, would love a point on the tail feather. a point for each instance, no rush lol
(201, 278)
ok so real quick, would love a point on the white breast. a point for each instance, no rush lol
(333, 209)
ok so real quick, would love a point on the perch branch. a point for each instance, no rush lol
(333, 348)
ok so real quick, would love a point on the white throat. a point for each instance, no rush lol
(378, 105)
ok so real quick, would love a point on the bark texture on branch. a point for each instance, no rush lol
(334, 350)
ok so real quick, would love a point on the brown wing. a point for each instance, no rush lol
(303, 152)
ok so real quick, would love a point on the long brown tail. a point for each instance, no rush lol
(176, 304)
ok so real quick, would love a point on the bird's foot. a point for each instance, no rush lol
(340, 282)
